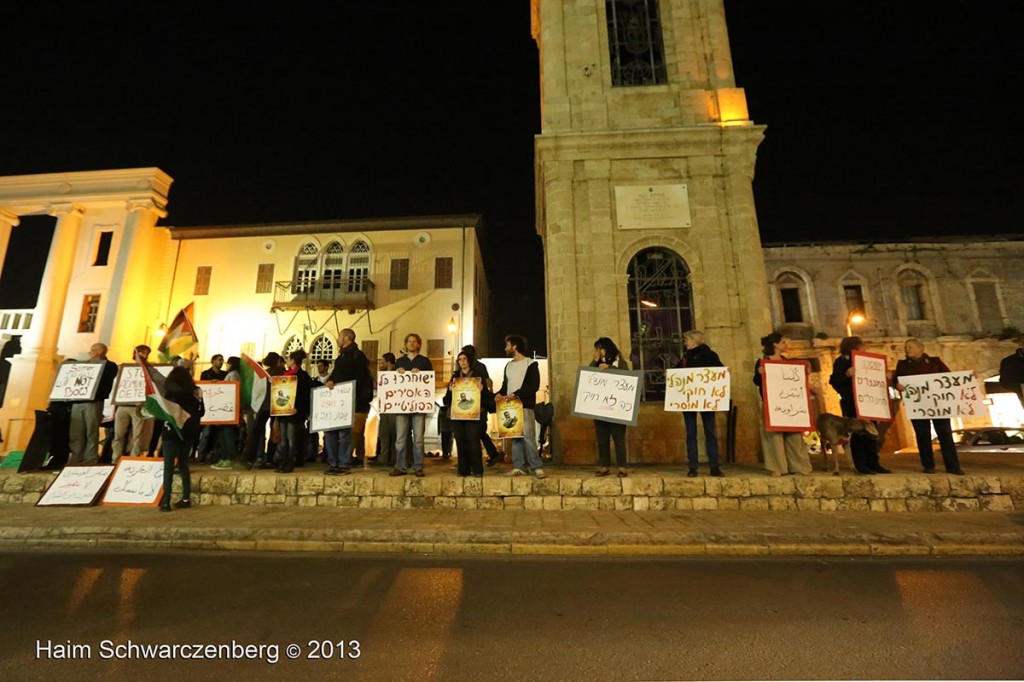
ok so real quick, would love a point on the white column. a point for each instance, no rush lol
(7, 221)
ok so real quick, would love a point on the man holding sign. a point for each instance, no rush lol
(522, 380)
(699, 355)
(85, 415)
(411, 424)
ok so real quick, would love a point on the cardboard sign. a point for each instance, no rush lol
(405, 392)
(137, 482)
(786, 396)
(611, 395)
(221, 401)
(332, 409)
(466, 398)
(283, 391)
(76, 486)
(697, 389)
(509, 417)
(943, 396)
(130, 387)
(871, 387)
(77, 381)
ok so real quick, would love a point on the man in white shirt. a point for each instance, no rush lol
(522, 380)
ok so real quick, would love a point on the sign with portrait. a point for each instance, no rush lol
(405, 392)
(509, 416)
(611, 395)
(331, 409)
(283, 391)
(77, 381)
(697, 389)
(130, 387)
(871, 387)
(466, 398)
(945, 395)
(221, 402)
(76, 486)
(786, 396)
(137, 482)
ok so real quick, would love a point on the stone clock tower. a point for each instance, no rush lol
(644, 204)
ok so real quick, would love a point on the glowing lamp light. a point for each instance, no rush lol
(648, 303)
(160, 331)
(854, 318)
(452, 326)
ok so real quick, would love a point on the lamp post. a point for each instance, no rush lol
(852, 319)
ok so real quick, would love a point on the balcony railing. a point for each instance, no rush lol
(339, 294)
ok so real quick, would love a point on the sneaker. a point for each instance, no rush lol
(539, 473)
(397, 472)
(692, 473)
(183, 504)
(517, 472)
(715, 471)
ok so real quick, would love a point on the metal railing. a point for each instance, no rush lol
(356, 293)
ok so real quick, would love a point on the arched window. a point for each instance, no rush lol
(792, 299)
(322, 349)
(359, 261)
(660, 311)
(913, 286)
(333, 266)
(293, 344)
(306, 264)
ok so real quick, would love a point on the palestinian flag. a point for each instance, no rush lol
(254, 383)
(181, 338)
(156, 402)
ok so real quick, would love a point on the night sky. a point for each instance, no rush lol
(885, 120)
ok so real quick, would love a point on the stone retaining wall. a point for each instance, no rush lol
(640, 492)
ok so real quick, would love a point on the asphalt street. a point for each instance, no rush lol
(476, 618)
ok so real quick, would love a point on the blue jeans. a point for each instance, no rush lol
(710, 437)
(339, 448)
(416, 425)
(524, 450)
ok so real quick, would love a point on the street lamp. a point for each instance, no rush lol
(852, 319)
(452, 327)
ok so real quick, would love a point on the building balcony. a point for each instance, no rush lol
(329, 294)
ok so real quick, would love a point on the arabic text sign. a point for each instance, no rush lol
(331, 409)
(787, 398)
(76, 486)
(405, 392)
(220, 400)
(137, 481)
(77, 381)
(697, 389)
(610, 395)
(871, 386)
(130, 388)
(943, 396)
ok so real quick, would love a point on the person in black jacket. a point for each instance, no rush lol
(293, 427)
(699, 354)
(480, 370)
(350, 365)
(180, 388)
(1011, 371)
(467, 431)
(606, 354)
(863, 448)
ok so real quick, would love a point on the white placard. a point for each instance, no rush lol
(611, 395)
(76, 486)
(697, 389)
(943, 396)
(652, 207)
(871, 386)
(220, 402)
(130, 388)
(137, 482)
(787, 398)
(406, 392)
(77, 381)
(331, 409)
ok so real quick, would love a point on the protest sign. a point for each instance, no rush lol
(509, 417)
(697, 389)
(77, 381)
(220, 400)
(332, 409)
(130, 387)
(283, 390)
(405, 392)
(943, 396)
(871, 387)
(76, 486)
(466, 398)
(137, 482)
(786, 396)
(611, 395)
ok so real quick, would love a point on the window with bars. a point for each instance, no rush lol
(90, 311)
(293, 344)
(203, 274)
(399, 273)
(265, 278)
(322, 349)
(359, 267)
(443, 266)
(306, 268)
(635, 43)
(912, 290)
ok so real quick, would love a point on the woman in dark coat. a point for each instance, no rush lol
(606, 354)
(467, 431)
(292, 448)
(699, 354)
(180, 388)
(863, 448)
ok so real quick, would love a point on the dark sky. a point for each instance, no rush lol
(884, 119)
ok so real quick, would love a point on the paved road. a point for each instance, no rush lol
(512, 619)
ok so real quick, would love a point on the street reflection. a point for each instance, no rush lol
(84, 584)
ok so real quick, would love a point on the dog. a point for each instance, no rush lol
(836, 431)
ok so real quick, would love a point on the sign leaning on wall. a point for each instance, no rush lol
(944, 395)
(76, 486)
(611, 395)
(77, 381)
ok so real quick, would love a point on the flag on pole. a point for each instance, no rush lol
(157, 404)
(255, 381)
(181, 338)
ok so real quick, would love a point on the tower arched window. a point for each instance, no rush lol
(637, 53)
(359, 261)
(660, 311)
(306, 265)
(333, 266)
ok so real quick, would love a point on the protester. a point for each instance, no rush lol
(863, 448)
(919, 362)
(1011, 370)
(412, 425)
(212, 373)
(181, 389)
(323, 373)
(350, 365)
(480, 369)
(226, 435)
(467, 431)
(84, 431)
(607, 355)
(698, 354)
(387, 432)
(784, 452)
(293, 427)
(522, 380)
(275, 366)
(134, 417)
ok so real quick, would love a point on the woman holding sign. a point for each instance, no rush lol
(465, 415)
(606, 354)
(919, 362)
(784, 451)
(699, 354)
(863, 447)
